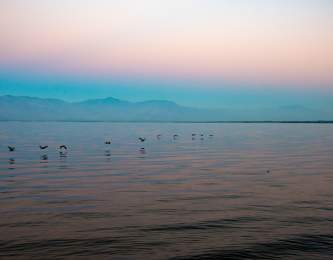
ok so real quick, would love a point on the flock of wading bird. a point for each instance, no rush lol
(64, 148)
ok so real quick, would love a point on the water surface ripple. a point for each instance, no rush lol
(252, 191)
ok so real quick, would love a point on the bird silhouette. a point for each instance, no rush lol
(142, 139)
(43, 147)
(108, 142)
(63, 147)
(175, 136)
(11, 148)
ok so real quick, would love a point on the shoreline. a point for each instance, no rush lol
(179, 122)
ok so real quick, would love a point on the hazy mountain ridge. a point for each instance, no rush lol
(108, 109)
(113, 109)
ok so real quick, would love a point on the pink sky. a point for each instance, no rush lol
(287, 41)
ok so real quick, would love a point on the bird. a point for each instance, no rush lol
(142, 139)
(175, 136)
(43, 147)
(194, 134)
(158, 136)
(108, 142)
(211, 135)
(142, 150)
(63, 147)
(11, 148)
(201, 135)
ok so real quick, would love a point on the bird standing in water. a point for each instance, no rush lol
(142, 139)
(43, 147)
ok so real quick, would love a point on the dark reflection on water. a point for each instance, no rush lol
(62, 154)
(11, 163)
(44, 158)
(245, 191)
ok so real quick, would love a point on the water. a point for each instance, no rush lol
(178, 199)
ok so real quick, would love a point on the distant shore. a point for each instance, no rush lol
(183, 122)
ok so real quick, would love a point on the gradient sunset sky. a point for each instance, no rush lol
(205, 53)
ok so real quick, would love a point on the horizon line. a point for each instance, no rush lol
(184, 122)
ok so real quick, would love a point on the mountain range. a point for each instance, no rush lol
(112, 109)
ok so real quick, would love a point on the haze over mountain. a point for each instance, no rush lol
(244, 60)
(112, 109)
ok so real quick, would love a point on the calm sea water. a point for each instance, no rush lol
(180, 199)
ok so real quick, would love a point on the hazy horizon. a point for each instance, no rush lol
(26, 108)
(206, 54)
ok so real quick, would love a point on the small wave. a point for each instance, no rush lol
(319, 246)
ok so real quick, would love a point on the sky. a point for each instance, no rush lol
(203, 53)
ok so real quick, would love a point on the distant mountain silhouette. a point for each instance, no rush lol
(112, 109)
(104, 102)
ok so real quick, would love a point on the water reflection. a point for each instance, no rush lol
(184, 200)
(63, 154)
(63, 160)
(44, 160)
(44, 157)
(11, 163)
(107, 154)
